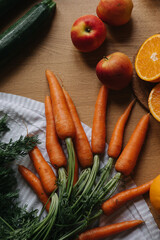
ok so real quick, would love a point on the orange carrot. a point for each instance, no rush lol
(115, 145)
(99, 125)
(35, 184)
(120, 199)
(128, 158)
(64, 124)
(109, 230)
(82, 146)
(54, 149)
(44, 170)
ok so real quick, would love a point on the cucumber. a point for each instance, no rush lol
(21, 32)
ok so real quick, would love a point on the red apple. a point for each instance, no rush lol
(115, 71)
(115, 12)
(88, 33)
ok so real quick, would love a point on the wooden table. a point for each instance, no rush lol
(53, 49)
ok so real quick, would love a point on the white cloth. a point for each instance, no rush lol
(29, 115)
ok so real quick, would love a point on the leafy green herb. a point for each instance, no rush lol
(11, 215)
(3, 125)
(11, 150)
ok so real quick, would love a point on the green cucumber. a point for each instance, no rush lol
(21, 32)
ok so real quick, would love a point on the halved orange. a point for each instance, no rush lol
(154, 102)
(147, 62)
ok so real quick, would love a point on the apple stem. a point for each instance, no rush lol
(107, 58)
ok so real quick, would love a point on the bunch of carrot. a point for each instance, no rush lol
(127, 158)
(80, 196)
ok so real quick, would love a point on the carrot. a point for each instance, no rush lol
(44, 170)
(99, 126)
(64, 124)
(54, 149)
(128, 158)
(115, 145)
(109, 230)
(82, 146)
(120, 199)
(35, 184)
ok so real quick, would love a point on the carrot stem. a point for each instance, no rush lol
(90, 181)
(47, 223)
(98, 214)
(92, 175)
(110, 186)
(9, 226)
(45, 220)
(73, 233)
(76, 171)
(62, 182)
(77, 189)
(103, 178)
(71, 165)
(53, 217)
(81, 208)
(84, 173)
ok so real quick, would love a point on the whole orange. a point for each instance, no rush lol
(155, 193)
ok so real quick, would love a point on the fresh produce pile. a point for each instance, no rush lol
(80, 191)
(73, 201)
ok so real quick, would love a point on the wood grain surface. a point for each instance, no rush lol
(53, 49)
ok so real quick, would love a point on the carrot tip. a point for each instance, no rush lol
(48, 72)
(59, 78)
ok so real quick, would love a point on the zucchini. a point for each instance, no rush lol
(21, 32)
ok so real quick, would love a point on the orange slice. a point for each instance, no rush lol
(147, 63)
(154, 102)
